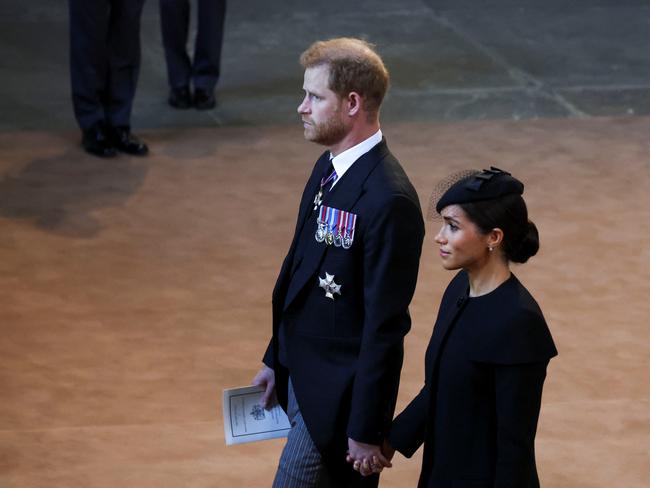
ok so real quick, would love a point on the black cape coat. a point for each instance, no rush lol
(477, 412)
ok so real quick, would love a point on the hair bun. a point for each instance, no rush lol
(527, 247)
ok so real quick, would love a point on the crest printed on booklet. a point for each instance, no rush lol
(335, 227)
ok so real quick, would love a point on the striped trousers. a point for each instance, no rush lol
(301, 464)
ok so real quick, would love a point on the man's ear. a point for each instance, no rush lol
(353, 104)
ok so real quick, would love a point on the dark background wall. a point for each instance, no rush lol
(450, 60)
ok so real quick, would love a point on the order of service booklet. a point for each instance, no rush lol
(245, 420)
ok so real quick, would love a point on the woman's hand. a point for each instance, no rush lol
(365, 458)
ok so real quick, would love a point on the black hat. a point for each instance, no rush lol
(486, 185)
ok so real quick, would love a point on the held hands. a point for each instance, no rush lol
(368, 459)
(266, 378)
(387, 450)
(365, 458)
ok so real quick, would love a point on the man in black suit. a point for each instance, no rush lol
(203, 70)
(340, 304)
(104, 65)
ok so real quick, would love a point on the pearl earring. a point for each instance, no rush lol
(490, 248)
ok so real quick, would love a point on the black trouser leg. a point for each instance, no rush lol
(207, 48)
(124, 59)
(89, 24)
(174, 23)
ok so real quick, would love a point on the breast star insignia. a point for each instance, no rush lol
(329, 285)
(318, 199)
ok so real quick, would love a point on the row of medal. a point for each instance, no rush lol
(335, 227)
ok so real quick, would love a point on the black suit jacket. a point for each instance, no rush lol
(477, 412)
(345, 355)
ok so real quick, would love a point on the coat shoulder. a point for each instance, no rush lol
(514, 330)
(388, 178)
(388, 191)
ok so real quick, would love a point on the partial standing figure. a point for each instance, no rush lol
(340, 303)
(104, 67)
(202, 71)
(486, 363)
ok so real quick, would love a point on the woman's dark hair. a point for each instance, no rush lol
(508, 213)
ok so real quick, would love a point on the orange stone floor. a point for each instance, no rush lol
(133, 291)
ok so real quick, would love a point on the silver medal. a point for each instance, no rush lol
(320, 232)
(347, 242)
(329, 285)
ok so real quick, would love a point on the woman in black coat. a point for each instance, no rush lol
(486, 362)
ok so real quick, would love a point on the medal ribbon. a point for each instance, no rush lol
(334, 220)
(328, 218)
(318, 199)
(351, 227)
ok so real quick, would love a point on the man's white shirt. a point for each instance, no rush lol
(346, 159)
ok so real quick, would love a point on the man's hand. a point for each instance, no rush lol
(266, 378)
(366, 458)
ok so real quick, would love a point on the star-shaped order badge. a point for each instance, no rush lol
(329, 285)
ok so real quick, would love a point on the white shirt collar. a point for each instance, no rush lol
(346, 159)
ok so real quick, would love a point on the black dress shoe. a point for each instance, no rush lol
(126, 142)
(204, 100)
(180, 98)
(96, 142)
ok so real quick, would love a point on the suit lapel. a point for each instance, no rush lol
(307, 202)
(349, 189)
(306, 205)
(343, 196)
